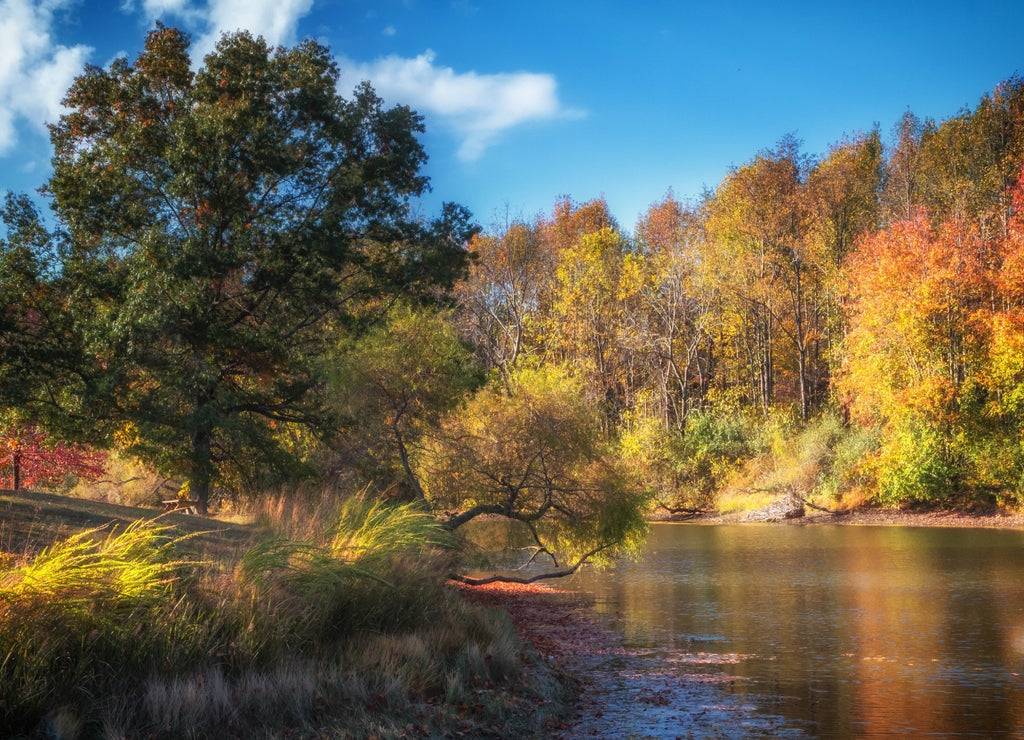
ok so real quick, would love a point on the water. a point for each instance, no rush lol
(836, 632)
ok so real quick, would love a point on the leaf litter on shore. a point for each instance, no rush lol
(625, 692)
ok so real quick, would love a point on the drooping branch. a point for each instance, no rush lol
(498, 578)
(457, 520)
(687, 512)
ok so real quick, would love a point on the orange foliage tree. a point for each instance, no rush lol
(932, 356)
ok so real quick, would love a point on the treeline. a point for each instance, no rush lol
(237, 291)
(876, 283)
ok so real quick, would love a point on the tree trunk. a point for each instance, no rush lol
(202, 465)
(16, 469)
(410, 476)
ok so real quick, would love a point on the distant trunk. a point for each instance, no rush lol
(415, 489)
(16, 469)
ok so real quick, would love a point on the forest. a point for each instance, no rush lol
(868, 298)
(239, 296)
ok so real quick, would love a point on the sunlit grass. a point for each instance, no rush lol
(733, 500)
(342, 625)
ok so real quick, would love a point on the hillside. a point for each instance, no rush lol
(30, 521)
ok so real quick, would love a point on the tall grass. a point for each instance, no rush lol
(343, 623)
(82, 606)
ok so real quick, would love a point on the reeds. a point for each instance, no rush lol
(82, 606)
(345, 624)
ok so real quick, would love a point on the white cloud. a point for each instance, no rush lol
(35, 73)
(274, 20)
(164, 10)
(478, 108)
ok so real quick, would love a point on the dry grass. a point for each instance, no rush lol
(338, 624)
(125, 482)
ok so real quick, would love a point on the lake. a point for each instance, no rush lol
(834, 631)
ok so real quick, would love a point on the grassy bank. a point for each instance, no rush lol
(312, 621)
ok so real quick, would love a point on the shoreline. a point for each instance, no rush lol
(616, 690)
(868, 517)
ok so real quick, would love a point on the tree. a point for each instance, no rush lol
(914, 350)
(31, 458)
(391, 386)
(1000, 384)
(841, 197)
(677, 297)
(902, 178)
(586, 313)
(534, 455)
(969, 162)
(499, 300)
(38, 350)
(219, 224)
(758, 250)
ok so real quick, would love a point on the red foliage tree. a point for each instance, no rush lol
(30, 458)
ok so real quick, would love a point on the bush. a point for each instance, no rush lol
(713, 447)
(917, 464)
(848, 475)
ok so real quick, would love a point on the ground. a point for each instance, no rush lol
(890, 517)
(624, 692)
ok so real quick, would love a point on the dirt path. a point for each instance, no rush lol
(625, 693)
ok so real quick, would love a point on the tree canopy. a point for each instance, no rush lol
(215, 222)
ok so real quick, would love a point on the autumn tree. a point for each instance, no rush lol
(998, 390)
(586, 310)
(902, 178)
(841, 198)
(568, 224)
(677, 296)
(391, 386)
(970, 161)
(914, 350)
(570, 221)
(755, 221)
(219, 222)
(534, 455)
(29, 457)
(500, 298)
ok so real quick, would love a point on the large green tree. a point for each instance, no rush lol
(218, 223)
(40, 355)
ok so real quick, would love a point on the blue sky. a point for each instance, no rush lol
(527, 101)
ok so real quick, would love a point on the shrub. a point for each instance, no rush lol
(917, 464)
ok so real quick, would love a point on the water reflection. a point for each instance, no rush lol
(846, 631)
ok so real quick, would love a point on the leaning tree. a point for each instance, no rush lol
(530, 452)
(216, 224)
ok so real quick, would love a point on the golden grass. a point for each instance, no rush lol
(343, 627)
